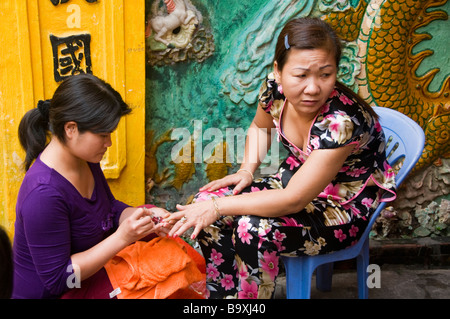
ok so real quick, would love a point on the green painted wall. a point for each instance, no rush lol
(219, 89)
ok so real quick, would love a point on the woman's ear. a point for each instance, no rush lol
(70, 128)
(276, 72)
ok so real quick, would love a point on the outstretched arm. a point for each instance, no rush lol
(311, 179)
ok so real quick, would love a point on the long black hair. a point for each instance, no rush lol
(85, 99)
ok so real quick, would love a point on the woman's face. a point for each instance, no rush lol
(307, 78)
(89, 146)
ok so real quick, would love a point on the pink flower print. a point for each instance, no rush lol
(290, 222)
(227, 282)
(344, 99)
(315, 142)
(353, 231)
(331, 192)
(367, 202)
(279, 245)
(243, 273)
(216, 257)
(202, 196)
(256, 189)
(334, 93)
(249, 291)
(269, 264)
(325, 108)
(339, 234)
(221, 192)
(279, 235)
(377, 126)
(244, 224)
(292, 161)
(388, 171)
(344, 169)
(261, 240)
(357, 212)
(245, 237)
(356, 172)
(211, 271)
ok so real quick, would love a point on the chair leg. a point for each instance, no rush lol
(298, 278)
(324, 277)
(362, 264)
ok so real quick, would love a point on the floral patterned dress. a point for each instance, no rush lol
(242, 252)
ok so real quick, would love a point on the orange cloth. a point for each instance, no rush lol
(159, 269)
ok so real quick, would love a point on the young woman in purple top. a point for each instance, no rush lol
(68, 223)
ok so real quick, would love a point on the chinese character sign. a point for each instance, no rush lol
(71, 55)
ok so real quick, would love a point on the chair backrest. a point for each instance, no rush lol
(405, 140)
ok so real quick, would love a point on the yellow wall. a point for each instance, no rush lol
(27, 71)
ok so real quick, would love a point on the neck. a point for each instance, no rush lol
(299, 116)
(57, 156)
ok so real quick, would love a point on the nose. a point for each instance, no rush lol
(312, 87)
(108, 141)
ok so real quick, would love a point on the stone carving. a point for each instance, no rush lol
(178, 35)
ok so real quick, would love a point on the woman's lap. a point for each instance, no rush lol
(242, 252)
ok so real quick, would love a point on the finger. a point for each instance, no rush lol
(176, 226)
(196, 231)
(180, 227)
(181, 207)
(174, 217)
(215, 185)
(239, 187)
(183, 228)
(140, 212)
(205, 187)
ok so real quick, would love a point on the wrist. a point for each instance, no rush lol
(246, 171)
(216, 208)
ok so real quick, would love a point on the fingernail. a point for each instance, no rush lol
(193, 237)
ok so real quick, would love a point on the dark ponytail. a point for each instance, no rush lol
(85, 99)
(33, 135)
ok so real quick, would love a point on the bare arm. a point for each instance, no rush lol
(135, 223)
(312, 178)
(257, 144)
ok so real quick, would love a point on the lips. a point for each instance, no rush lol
(310, 102)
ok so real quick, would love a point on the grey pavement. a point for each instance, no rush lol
(409, 269)
(396, 282)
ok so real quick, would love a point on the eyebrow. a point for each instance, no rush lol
(321, 68)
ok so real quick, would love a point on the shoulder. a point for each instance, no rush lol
(271, 96)
(342, 120)
(41, 188)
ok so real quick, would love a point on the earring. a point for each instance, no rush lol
(280, 88)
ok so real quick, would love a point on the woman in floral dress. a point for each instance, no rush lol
(322, 197)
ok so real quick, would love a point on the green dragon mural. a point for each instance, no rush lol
(386, 33)
(395, 55)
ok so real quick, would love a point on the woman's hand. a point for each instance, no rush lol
(241, 179)
(136, 226)
(198, 215)
(158, 214)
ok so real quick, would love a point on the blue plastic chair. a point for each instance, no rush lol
(405, 140)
